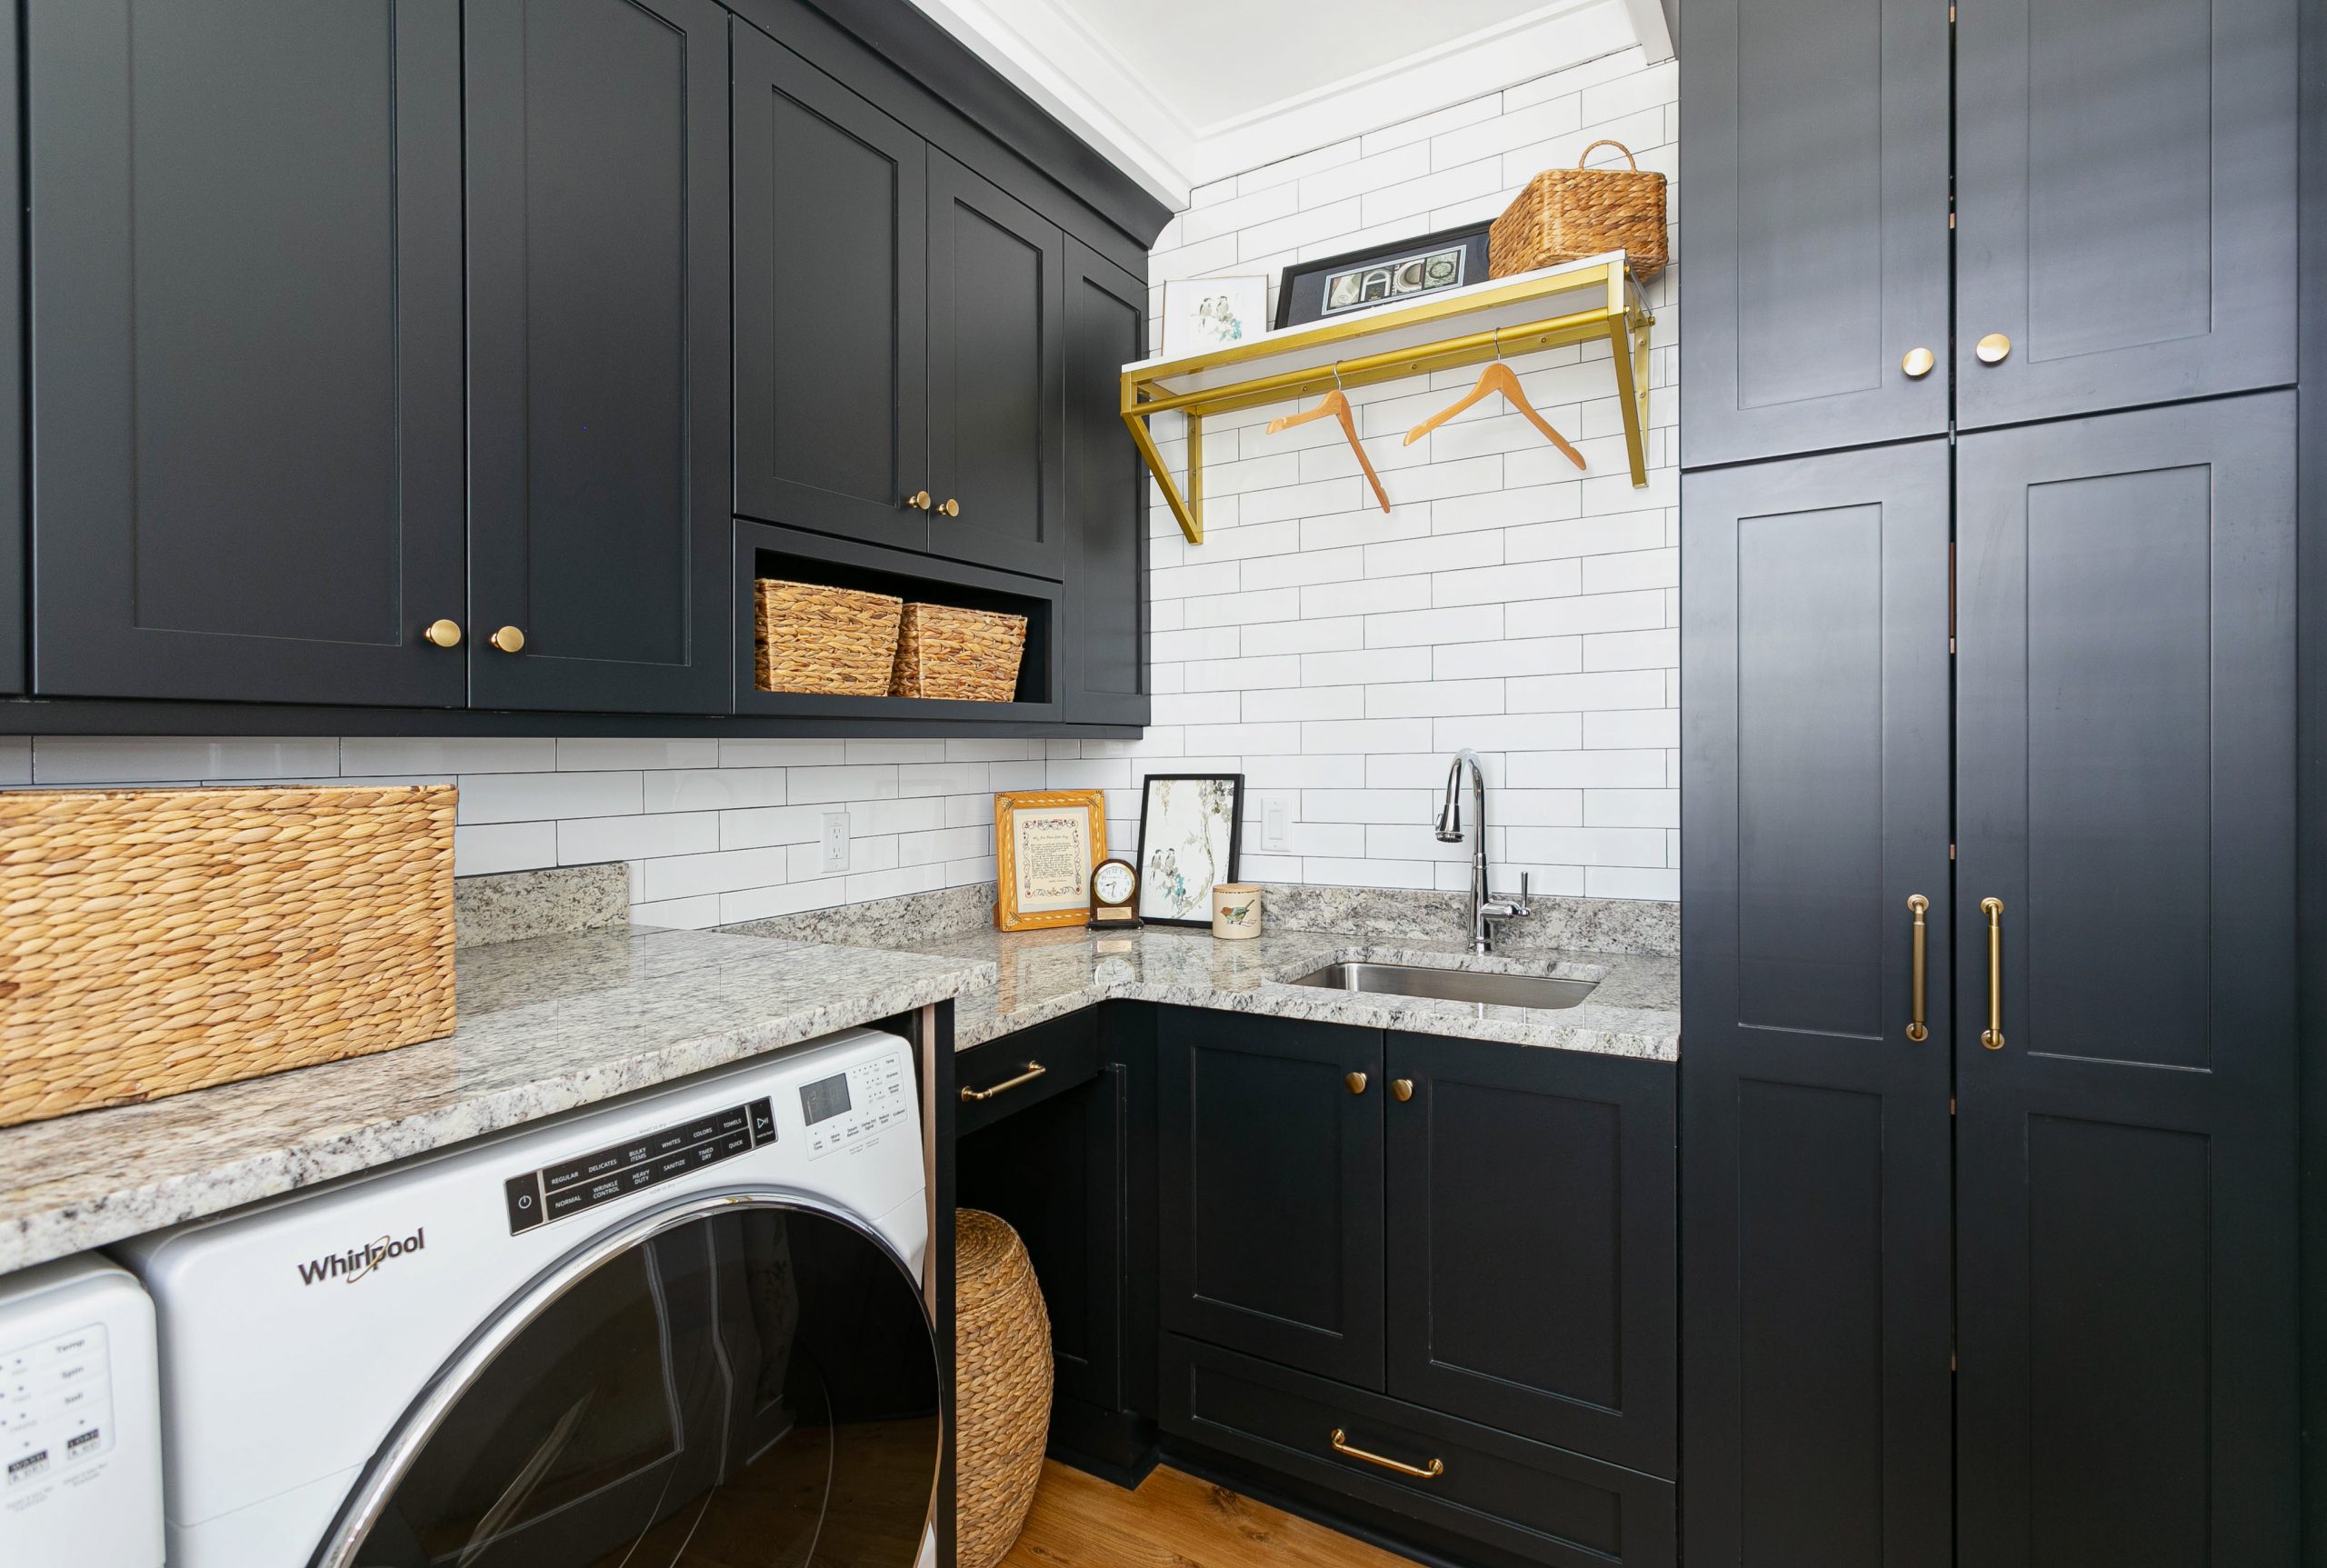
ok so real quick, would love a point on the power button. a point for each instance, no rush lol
(524, 1201)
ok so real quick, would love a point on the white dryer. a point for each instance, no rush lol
(684, 1327)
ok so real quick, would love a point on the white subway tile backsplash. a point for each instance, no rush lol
(486, 849)
(139, 759)
(583, 756)
(586, 841)
(381, 755)
(547, 797)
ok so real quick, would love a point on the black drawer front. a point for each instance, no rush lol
(1545, 1505)
(1066, 1050)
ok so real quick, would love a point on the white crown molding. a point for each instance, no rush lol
(1050, 54)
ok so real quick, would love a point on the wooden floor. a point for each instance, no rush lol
(1173, 1521)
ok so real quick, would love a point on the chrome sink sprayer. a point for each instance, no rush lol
(1484, 910)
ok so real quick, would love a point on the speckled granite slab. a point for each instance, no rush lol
(894, 922)
(1559, 925)
(512, 905)
(1635, 1008)
(546, 1024)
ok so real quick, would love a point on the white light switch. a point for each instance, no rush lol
(835, 841)
(1276, 820)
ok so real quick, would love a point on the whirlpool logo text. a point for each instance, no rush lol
(358, 1262)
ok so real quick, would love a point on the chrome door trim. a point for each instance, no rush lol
(426, 1414)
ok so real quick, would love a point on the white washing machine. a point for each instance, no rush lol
(686, 1327)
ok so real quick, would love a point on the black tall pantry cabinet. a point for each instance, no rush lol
(1988, 907)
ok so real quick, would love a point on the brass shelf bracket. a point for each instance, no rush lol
(1591, 301)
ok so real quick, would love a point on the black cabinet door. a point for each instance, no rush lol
(1531, 1246)
(2125, 194)
(997, 402)
(12, 391)
(832, 257)
(245, 247)
(598, 345)
(1106, 496)
(2126, 1150)
(1268, 1171)
(1816, 160)
(1814, 1145)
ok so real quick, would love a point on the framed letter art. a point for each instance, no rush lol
(1045, 843)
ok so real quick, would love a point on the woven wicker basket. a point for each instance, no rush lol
(835, 640)
(1002, 1387)
(158, 941)
(1566, 215)
(969, 654)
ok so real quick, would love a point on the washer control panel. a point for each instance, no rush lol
(601, 1175)
(847, 1108)
(55, 1412)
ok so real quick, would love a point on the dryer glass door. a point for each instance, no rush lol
(752, 1388)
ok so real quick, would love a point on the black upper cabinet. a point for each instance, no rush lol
(1269, 1176)
(247, 322)
(997, 410)
(1813, 139)
(12, 406)
(2126, 187)
(598, 352)
(1106, 496)
(832, 395)
(1531, 1246)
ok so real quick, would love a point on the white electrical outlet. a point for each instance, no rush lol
(835, 841)
(1276, 822)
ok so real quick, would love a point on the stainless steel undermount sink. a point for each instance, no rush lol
(1451, 984)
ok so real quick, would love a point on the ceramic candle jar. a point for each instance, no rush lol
(1235, 910)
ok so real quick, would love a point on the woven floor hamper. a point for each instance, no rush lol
(158, 941)
(971, 655)
(1566, 215)
(1002, 1387)
(838, 641)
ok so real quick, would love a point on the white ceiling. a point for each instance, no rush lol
(1179, 93)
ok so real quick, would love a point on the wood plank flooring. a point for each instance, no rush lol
(1173, 1521)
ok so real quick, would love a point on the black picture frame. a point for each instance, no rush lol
(1235, 783)
(1301, 293)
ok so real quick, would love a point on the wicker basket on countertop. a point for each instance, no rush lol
(1002, 1387)
(835, 642)
(158, 941)
(972, 655)
(1566, 215)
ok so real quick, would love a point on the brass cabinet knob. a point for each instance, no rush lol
(918, 500)
(1993, 349)
(1917, 362)
(509, 640)
(443, 634)
(1402, 1089)
(1356, 1082)
(952, 508)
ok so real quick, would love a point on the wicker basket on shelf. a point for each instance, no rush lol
(971, 655)
(162, 940)
(1566, 215)
(1002, 1387)
(838, 641)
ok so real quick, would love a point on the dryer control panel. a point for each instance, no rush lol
(847, 1108)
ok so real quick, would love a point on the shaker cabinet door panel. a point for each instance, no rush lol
(831, 398)
(2126, 210)
(1106, 497)
(1269, 1184)
(1814, 1153)
(997, 403)
(1814, 202)
(246, 326)
(598, 352)
(2126, 1138)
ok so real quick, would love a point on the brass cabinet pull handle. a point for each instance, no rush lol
(918, 500)
(1993, 349)
(1917, 362)
(443, 634)
(1431, 1472)
(1033, 1071)
(509, 639)
(1402, 1089)
(950, 507)
(1992, 1035)
(1917, 1030)
(1356, 1082)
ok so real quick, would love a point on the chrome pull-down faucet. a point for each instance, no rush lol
(1486, 909)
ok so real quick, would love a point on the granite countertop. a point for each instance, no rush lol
(546, 1024)
(1635, 1008)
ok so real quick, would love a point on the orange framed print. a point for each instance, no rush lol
(1045, 843)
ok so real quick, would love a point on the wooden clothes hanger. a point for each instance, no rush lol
(1497, 377)
(1337, 402)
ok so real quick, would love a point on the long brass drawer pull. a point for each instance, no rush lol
(1992, 1035)
(1431, 1472)
(1917, 1030)
(1033, 1071)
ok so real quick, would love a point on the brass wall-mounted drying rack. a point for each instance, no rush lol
(1577, 302)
